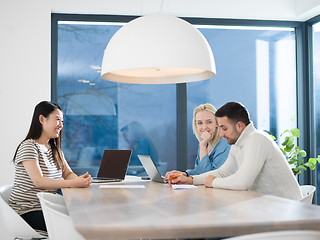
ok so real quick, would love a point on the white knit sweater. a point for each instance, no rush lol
(255, 163)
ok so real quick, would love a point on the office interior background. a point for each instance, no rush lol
(267, 57)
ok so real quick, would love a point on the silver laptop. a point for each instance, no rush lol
(151, 168)
(113, 166)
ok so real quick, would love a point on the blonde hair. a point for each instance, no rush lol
(205, 107)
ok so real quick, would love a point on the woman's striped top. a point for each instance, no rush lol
(23, 197)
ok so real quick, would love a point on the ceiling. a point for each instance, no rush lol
(288, 10)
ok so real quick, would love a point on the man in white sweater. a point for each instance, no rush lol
(255, 161)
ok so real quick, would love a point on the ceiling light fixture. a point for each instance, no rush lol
(158, 49)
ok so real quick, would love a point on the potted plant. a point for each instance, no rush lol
(295, 154)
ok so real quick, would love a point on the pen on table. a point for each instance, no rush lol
(172, 177)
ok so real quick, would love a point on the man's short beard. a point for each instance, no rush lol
(238, 135)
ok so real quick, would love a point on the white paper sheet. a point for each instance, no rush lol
(182, 186)
(122, 186)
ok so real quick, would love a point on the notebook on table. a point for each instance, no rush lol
(113, 166)
(151, 168)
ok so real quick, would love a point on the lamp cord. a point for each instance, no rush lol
(161, 7)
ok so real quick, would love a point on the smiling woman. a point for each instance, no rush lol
(213, 150)
(51, 126)
(40, 165)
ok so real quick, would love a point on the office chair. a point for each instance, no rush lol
(58, 222)
(307, 193)
(283, 235)
(12, 224)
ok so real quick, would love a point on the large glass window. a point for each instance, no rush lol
(255, 66)
(100, 114)
(316, 93)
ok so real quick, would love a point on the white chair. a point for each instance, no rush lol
(54, 199)
(58, 222)
(307, 193)
(12, 225)
(283, 235)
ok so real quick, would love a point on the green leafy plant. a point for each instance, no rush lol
(294, 154)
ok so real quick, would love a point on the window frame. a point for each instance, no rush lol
(311, 178)
(303, 69)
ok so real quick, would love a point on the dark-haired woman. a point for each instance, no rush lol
(40, 165)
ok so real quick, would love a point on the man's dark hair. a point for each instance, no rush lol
(234, 111)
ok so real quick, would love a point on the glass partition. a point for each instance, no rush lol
(316, 94)
(255, 66)
(100, 114)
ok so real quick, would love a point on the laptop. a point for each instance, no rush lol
(113, 166)
(151, 168)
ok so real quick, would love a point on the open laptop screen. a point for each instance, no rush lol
(114, 164)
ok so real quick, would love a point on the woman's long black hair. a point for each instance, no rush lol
(45, 108)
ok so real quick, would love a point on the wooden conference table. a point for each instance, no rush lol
(160, 212)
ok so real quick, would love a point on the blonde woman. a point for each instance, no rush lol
(213, 150)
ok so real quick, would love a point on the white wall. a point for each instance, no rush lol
(25, 47)
(25, 72)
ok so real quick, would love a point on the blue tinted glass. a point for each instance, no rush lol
(255, 67)
(316, 85)
(100, 114)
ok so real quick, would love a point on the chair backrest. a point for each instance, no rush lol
(58, 222)
(307, 193)
(11, 223)
(283, 235)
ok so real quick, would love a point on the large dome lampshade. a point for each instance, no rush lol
(158, 49)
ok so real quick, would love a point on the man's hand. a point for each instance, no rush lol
(173, 173)
(208, 181)
(181, 180)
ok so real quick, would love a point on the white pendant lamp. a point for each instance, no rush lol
(158, 49)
